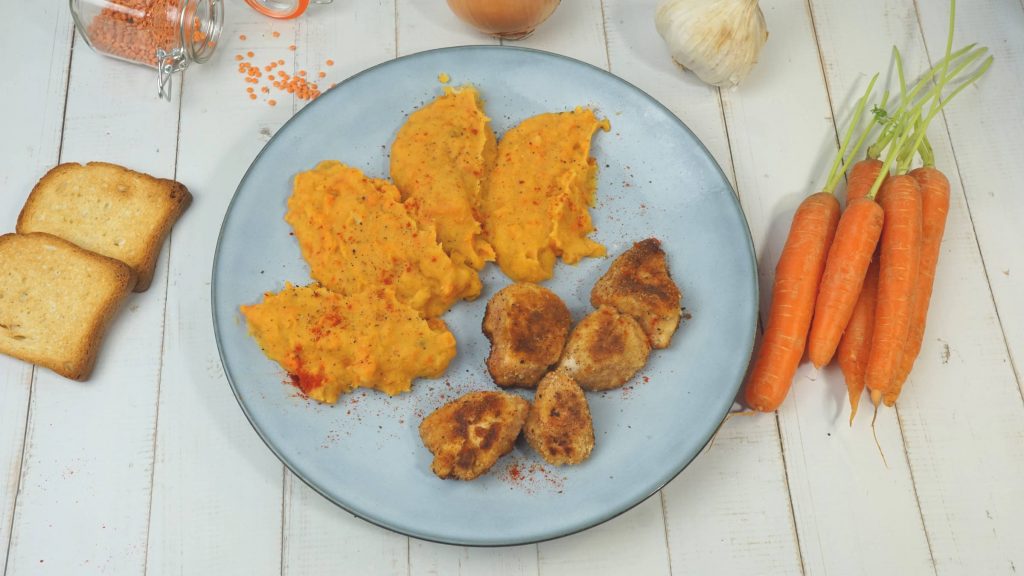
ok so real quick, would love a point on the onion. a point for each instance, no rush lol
(506, 19)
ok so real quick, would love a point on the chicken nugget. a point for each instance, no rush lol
(638, 283)
(527, 326)
(468, 435)
(605, 350)
(559, 426)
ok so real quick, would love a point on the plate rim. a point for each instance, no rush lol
(588, 524)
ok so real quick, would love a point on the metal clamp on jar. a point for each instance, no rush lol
(164, 34)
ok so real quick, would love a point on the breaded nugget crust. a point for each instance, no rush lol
(605, 350)
(468, 435)
(527, 326)
(559, 426)
(638, 283)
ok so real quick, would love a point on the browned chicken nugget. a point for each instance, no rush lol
(469, 434)
(605, 350)
(527, 325)
(559, 427)
(638, 283)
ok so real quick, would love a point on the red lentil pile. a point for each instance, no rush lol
(277, 80)
(135, 29)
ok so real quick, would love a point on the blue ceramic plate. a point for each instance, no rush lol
(655, 179)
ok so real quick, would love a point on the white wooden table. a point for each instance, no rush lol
(150, 467)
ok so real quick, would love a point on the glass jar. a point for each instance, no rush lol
(283, 9)
(167, 35)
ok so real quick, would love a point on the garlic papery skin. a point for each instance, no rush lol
(718, 40)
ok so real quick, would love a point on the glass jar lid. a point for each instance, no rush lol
(283, 9)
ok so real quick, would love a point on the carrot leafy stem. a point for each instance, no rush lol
(889, 119)
(845, 155)
(939, 102)
(926, 152)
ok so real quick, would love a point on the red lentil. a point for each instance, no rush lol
(298, 85)
(135, 29)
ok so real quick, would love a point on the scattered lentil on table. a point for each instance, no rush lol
(296, 84)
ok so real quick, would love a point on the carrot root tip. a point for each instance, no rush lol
(876, 399)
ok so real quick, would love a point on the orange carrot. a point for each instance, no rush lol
(848, 259)
(934, 208)
(861, 177)
(797, 276)
(796, 282)
(855, 346)
(850, 253)
(885, 378)
(899, 262)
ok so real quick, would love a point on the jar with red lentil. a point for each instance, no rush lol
(167, 35)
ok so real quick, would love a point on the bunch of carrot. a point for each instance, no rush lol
(858, 286)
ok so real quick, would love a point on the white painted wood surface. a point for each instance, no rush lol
(43, 85)
(215, 485)
(151, 468)
(783, 149)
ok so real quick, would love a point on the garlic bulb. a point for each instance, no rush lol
(718, 40)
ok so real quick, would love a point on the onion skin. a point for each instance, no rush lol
(506, 19)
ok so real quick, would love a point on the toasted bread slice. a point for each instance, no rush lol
(56, 301)
(107, 209)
